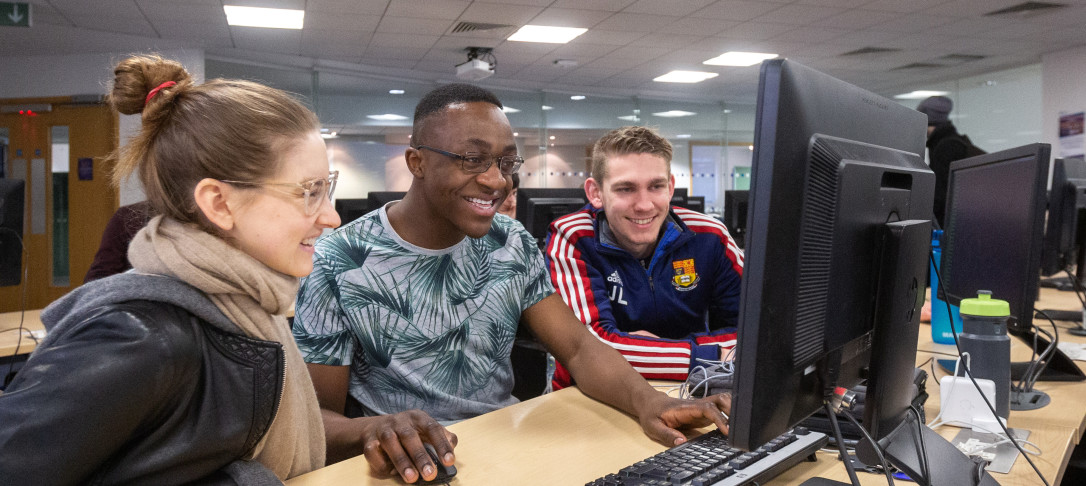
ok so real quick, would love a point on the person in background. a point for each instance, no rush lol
(945, 145)
(509, 206)
(658, 283)
(410, 313)
(112, 255)
(184, 370)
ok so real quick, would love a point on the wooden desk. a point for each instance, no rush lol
(9, 337)
(568, 438)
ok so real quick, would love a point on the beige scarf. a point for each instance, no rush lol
(255, 298)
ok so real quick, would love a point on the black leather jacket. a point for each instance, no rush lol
(140, 392)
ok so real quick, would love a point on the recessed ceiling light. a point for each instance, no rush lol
(509, 109)
(543, 33)
(551, 137)
(684, 77)
(387, 117)
(547, 108)
(674, 113)
(272, 18)
(577, 97)
(683, 135)
(737, 58)
(919, 95)
(516, 134)
(395, 91)
(633, 118)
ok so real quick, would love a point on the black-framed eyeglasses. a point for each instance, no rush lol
(479, 163)
(314, 191)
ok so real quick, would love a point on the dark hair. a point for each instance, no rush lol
(439, 98)
(222, 129)
(628, 140)
(516, 180)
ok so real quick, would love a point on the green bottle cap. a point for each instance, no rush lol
(985, 305)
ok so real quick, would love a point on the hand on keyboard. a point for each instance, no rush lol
(663, 416)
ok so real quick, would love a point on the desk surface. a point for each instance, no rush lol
(9, 336)
(568, 438)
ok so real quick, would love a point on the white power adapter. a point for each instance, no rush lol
(961, 405)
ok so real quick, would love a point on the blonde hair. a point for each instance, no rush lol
(628, 140)
(222, 129)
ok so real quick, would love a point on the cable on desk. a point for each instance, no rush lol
(875, 445)
(836, 428)
(969, 373)
(22, 309)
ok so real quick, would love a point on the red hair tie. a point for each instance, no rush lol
(155, 91)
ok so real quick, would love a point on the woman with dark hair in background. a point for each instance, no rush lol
(185, 369)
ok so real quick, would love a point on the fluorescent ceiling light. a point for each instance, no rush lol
(272, 18)
(543, 33)
(547, 108)
(329, 135)
(683, 135)
(633, 118)
(387, 117)
(577, 97)
(736, 58)
(919, 95)
(509, 109)
(684, 77)
(674, 113)
(395, 91)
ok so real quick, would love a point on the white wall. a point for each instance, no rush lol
(1064, 86)
(80, 74)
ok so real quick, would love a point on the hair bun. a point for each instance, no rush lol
(136, 77)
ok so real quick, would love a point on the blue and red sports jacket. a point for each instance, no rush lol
(689, 295)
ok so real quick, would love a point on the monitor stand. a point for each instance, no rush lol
(1059, 367)
(912, 443)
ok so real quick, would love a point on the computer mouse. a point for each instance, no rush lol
(444, 473)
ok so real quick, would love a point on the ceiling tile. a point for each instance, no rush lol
(605, 5)
(901, 6)
(341, 21)
(799, 14)
(609, 37)
(120, 25)
(755, 31)
(281, 41)
(333, 36)
(415, 26)
(913, 23)
(673, 41)
(736, 10)
(856, 19)
(359, 7)
(396, 40)
(427, 9)
(810, 35)
(635, 22)
(698, 26)
(500, 14)
(183, 13)
(568, 17)
(194, 30)
(670, 7)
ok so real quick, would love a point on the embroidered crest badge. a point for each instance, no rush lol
(686, 278)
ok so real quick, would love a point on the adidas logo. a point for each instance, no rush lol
(614, 278)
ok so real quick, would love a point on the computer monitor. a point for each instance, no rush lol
(735, 215)
(837, 243)
(538, 207)
(1065, 233)
(351, 209)
(12, 200)
(993, 239)
(693, 203)
(679, 197)
(377, 199)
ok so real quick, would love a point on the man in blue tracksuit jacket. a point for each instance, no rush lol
(658, 283)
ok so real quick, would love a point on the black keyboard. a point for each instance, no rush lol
(708, 460)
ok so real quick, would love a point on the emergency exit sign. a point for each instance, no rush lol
(14, 14)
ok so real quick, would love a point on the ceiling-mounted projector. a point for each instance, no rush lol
(475, 69)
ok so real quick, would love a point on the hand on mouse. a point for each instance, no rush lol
(395, 444)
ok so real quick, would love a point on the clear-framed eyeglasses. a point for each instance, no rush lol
(479, 163)
(314, 191)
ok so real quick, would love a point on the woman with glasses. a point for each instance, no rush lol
(184, 368)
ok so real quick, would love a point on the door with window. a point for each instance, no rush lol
(60, 149)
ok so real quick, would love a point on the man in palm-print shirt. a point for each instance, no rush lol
(409, 315)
